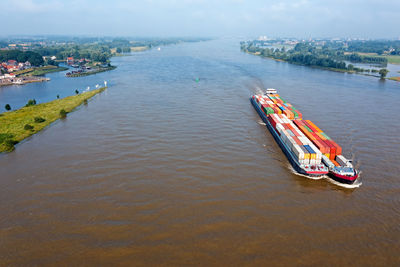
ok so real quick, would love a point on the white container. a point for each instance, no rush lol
(327, 161)
(341, 160)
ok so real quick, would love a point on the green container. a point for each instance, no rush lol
(296, 116)
(327, 137)
(308, 129)
(269, 111)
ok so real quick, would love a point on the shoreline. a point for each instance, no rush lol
(17, 125)
(82, 74)
(315, 67)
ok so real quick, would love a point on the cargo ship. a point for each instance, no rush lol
(310, 151)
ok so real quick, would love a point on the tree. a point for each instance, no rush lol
(350, 67)
(383, 73)
(31, 102)
(119, 50)
(77, 92)
(7, 107)
(63, 113)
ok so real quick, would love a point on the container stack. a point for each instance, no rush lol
(285, 107)
(325, 144)
(273, 104)
(305, 151)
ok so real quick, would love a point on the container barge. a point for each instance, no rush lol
(309, 150)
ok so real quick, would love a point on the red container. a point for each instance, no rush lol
(298, 123)
(321, 146)
(310, 126)
(297, 140)
(338, 148)
(332, 149)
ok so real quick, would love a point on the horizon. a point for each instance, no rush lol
(301, 19)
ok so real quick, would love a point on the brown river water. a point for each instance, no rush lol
(163, 170)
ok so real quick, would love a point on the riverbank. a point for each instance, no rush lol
(87, 73)
(39, 71)
(22, 80)
(312, 66)
(397, 79)
(18, 125)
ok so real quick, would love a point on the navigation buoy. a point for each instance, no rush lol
(197, 80)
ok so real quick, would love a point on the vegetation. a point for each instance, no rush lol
(19, 124)
(39, 120)
(34, 58)
(379, 47)
(63, 113)
(46, 69)
(28, 127)
(383, 73)
(39, 71)
(31, 102)
(7, 107)
(324, 54)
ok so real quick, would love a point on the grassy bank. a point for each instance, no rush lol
(397, 79)
(19, 124)
(39, 71)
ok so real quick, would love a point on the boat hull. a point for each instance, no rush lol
(285, 150)
(343, 178)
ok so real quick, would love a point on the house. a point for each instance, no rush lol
(28, 64)
(53, 58)
(12, 62)
(11, 68)
(70, 60)
(9, 75)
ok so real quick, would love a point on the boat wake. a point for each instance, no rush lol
(356, 184)
(261, 122)
(292, 170)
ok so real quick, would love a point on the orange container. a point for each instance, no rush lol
(322, 147)
(321, 136)
(309, 126)
(332, 152)
(335, 162)
(307, 133)
(338, 148)
(314, 126)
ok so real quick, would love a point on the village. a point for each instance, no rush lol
(85, 67)
(12, 73)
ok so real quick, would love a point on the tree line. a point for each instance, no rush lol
(22, 56)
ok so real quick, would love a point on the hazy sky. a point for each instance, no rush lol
(298, 18)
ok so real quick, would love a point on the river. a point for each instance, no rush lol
(163, 169)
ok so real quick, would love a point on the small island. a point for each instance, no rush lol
(19, 124)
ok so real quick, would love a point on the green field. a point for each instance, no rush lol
(39, 71)
(393, 59)
(13, 124)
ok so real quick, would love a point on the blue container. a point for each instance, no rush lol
(309, 149)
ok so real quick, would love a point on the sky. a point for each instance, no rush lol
(204, 18)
